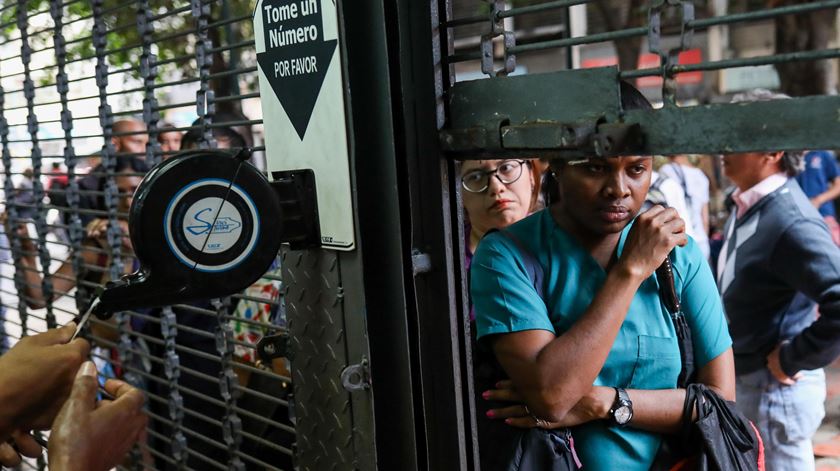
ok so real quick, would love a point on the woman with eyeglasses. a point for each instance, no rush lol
(596, 351)
(497, 193)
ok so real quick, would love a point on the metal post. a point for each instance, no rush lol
(75, 230)
(37, 186)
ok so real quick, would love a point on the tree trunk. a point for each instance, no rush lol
(226, 86)
(623, 15)
(222, 86)
(628, 51)
(806, 32)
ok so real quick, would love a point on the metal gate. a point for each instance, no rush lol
(389, 319)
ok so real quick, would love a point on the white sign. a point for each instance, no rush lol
(747, 78)
(302, 96)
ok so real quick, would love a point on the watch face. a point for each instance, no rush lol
(623, 415)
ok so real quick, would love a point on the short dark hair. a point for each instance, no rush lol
(632, 98)
(792, 162)
(193, 137)
(131, 163)
(165, 128)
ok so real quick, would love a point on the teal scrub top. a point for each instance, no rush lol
(645, 354)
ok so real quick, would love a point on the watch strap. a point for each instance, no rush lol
(621, 396)
(622, 399)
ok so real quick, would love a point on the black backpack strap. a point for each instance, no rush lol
(674, 308)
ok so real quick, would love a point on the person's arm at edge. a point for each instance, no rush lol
(63, 279)
(658, 410)
(650, 413)
(817, 275)
(661, 410)
(832, 193)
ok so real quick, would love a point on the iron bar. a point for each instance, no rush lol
(742, 62)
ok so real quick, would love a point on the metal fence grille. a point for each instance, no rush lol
(75, 79)
(602, 32)
(683, 55)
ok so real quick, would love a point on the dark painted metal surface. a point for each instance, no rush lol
(315, 310)
(437, 311)
(795, 124)
(383, 255)
(571, 113)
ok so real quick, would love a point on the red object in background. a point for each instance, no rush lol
(58, 182)
(648, 61)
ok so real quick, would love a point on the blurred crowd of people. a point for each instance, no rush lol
(565, 299)
(197, 337)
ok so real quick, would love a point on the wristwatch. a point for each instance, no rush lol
(621, 411)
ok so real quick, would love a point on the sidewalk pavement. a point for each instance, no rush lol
(827, 438)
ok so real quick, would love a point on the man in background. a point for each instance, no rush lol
(779, 261)
(169, 139)
(129, 142)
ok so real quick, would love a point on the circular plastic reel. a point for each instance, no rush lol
(204, 224)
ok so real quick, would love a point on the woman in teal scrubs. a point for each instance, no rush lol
(599, 353)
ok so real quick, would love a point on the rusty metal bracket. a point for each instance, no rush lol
(472, 138)
(539, 134)
(549, 113)
(488, 43)
(670, 58)
(618, 138)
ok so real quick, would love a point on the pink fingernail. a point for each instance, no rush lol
(508, 421)
(491, 414)
(485, 394)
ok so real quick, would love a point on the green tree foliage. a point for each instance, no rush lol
(174, 36)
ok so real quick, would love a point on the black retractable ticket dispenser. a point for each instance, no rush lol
(207, 224)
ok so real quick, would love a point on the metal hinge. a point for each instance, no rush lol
(420, 262)
(356, 377)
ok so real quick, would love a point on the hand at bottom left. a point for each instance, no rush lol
(91, 436)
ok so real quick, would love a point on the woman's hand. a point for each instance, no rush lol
(98, 230)
(654, 234)
(590, 407)
(18, 230)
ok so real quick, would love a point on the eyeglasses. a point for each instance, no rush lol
(507, 172)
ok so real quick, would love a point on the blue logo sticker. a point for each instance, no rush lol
(224, 225)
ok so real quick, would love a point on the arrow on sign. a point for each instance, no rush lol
(296, 57)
